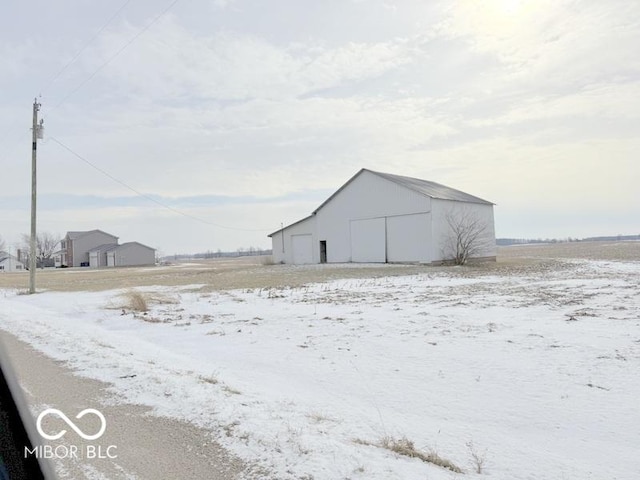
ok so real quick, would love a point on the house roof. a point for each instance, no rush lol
(104, 247)
(423, 187)
(6, 256)
(134, 243)
(76, 235)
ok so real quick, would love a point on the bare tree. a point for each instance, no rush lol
(467, 236)
(46, 243)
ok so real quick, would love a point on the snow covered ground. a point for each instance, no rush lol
(530, 375)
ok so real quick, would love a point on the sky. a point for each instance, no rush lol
(195, 125)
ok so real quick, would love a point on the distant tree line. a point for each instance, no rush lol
(240, 252)
(521, 241)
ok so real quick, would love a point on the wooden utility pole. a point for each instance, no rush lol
(36, 132)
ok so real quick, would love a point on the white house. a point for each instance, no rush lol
(9, 263)
(380, 217)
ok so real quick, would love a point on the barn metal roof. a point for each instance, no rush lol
(423, 187)
(431, 189)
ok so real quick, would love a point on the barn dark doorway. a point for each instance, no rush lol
(323, 251)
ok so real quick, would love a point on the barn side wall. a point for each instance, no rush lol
(283, 242)
(458, 212)
(353, 210)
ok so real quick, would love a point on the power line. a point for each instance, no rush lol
(86, 45)
(110, 59)
(154, 200)
(104, 64)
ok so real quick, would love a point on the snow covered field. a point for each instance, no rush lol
(532, 374)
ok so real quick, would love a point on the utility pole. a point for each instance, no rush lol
(36, 133)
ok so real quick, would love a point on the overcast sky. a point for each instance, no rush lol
(242, 114)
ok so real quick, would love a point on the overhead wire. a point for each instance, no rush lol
(90, 77)
(85, 46)
(75, 57)
(115, 55)
(150, 198)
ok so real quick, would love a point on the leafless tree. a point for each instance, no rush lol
(467, 235)
(46, 243)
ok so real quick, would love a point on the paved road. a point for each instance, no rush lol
(147, 446)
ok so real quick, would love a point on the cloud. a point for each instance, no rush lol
(602, 101)
(259, 147)
(171, 61)
(551, 43)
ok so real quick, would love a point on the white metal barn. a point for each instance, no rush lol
(380, 217)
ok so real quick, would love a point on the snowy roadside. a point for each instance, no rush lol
(536, 374)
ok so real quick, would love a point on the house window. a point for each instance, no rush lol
(1, 267)
(18, 267)
(63, 244)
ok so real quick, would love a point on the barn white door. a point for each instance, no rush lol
(408, 238)
(368, 240)
(302, 248)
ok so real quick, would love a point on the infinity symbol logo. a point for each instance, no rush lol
(55, 411)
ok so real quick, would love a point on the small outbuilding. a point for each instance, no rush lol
(130, 254)
(384, 218)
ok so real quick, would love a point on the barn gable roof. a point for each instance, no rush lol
(423, 187)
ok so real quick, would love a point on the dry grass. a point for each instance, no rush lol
(135, 301)
(212, 380)
(267, 260)
(478, 458)
(405, 447)
(250, 273)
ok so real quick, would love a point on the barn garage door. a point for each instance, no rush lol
(301, 246)
(368, 240)
(408, 238)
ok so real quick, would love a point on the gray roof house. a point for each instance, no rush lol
(75, 246)
(95, 248)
